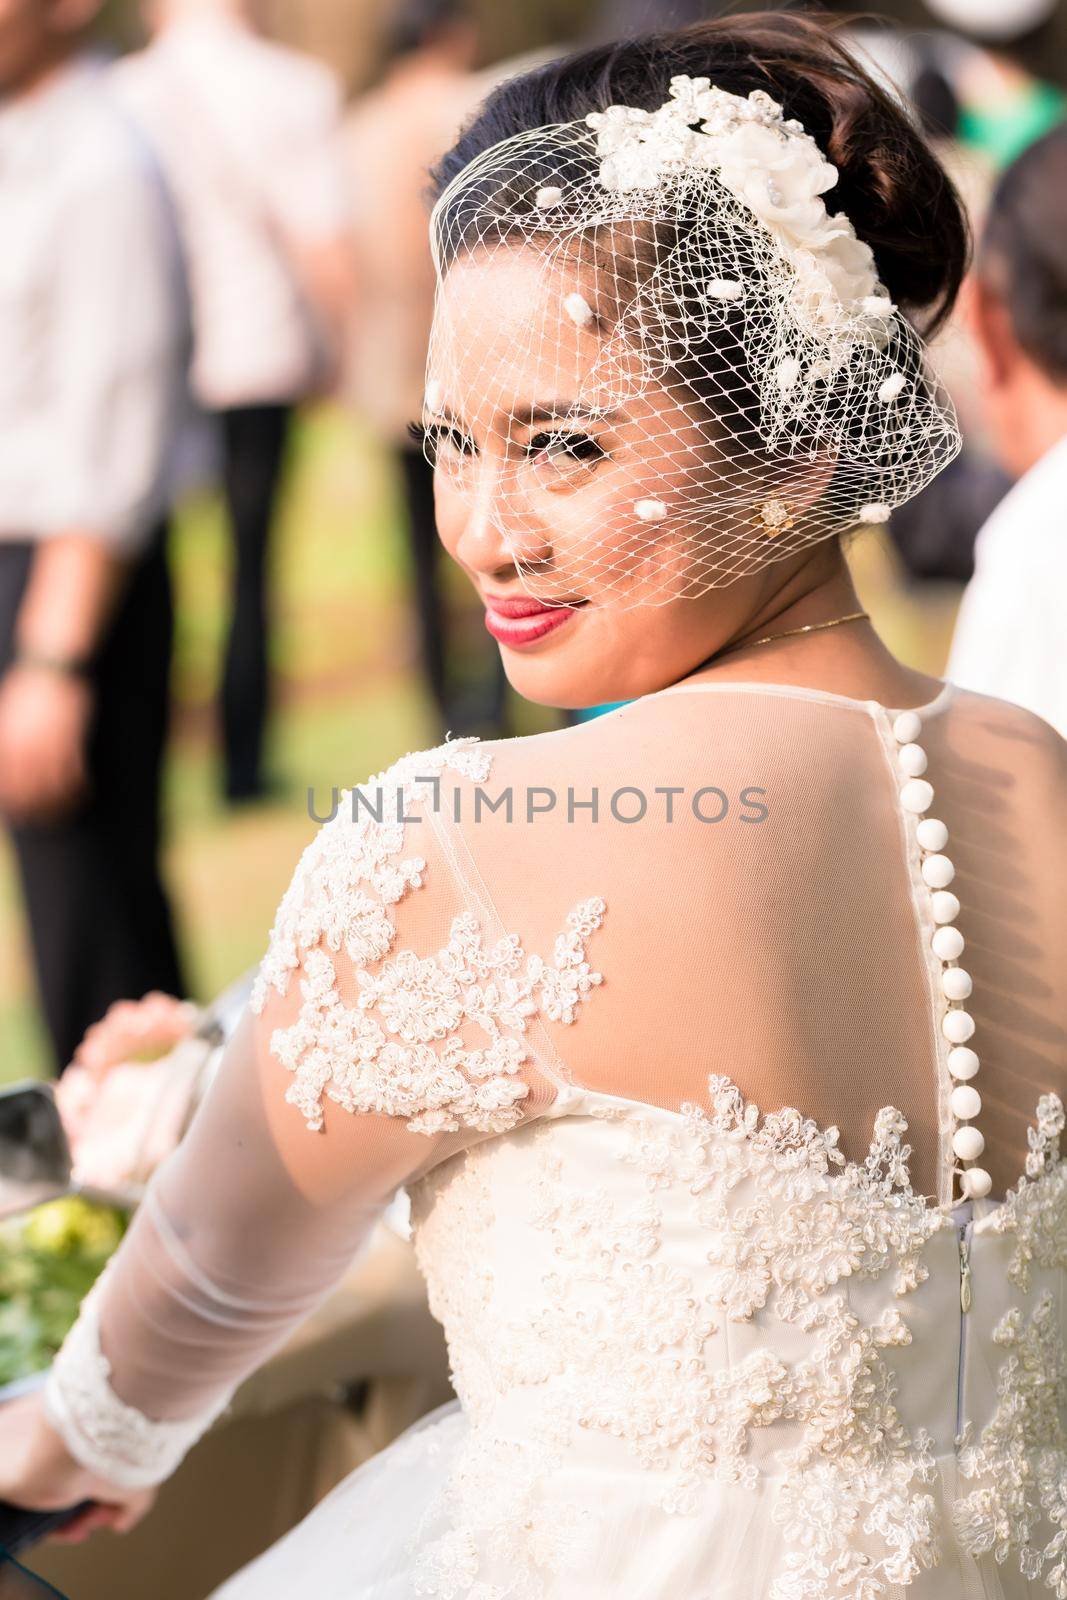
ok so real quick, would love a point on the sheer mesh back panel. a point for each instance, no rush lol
(788, 953)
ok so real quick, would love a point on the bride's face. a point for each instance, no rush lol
(540, 463)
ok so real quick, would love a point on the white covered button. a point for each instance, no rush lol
(945, 906)
(956, 983)
(968, 1143)
(911, 758)
(916, 795)
(963, 1061)
(932, 833)
(976, 1183)
(907, 727)
(947, 944)
(965, 1102)
(957, 1026)
(938, 871)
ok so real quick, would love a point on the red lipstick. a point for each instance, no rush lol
(520, 621)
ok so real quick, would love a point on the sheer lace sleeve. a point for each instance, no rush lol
(388, 1028)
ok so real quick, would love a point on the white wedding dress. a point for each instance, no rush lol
(705, 1348)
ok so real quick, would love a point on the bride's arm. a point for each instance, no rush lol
(241, 1233)
(375, 1044)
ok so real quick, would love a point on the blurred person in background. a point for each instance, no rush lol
(93, 351)
(1010, 638)
(970, 81)
(621, 19)
(996, 102)
(248, 132)
(393, 136)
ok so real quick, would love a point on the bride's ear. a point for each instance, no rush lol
(794, 495)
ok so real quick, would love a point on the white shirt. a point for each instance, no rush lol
(1011, 638)
(93, 317)
(249, 135)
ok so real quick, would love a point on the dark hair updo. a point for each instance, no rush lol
(890, 185)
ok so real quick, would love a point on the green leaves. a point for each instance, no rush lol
(49, 1260)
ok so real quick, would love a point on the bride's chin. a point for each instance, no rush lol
(565, 669)
(562, 690)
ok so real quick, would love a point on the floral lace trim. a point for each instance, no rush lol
(1020, 1461)
(1036, 1209)
(326, 901)
(500, 1521)
(620, 1342)
(489, 1503)
(110, 1438)
(783, 1227)
(409, 1060)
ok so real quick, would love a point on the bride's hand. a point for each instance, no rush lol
(119, 1517)
(38, 1472)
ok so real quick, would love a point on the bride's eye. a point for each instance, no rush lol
(565, 454)
(439, 439)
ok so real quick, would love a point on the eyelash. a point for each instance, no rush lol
(580, 446)
(575, 445)
(436, 433)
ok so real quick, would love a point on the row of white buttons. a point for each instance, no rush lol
(957, 1025)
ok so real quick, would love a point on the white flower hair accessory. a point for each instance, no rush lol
(685, 368)
(774, 167)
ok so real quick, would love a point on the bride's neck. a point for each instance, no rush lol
(848, 659)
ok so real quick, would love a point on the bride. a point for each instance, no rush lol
(720, 1042)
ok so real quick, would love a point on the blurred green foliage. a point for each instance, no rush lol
(49, 1260)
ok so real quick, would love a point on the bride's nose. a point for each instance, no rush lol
(499, 530)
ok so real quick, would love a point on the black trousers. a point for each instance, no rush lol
(100, 924)
(254, 440)
(488, 704)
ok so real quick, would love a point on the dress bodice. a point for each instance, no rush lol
(698, 1303)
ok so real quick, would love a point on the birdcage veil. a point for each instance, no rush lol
(722, 378)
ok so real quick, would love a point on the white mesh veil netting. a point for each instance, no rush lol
(657, 362)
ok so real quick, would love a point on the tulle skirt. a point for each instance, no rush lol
(367, 1540)
(362, 1539)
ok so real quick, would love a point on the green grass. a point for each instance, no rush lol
(348, 700)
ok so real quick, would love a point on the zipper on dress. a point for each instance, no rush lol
(966, 1300)
(965, 1268)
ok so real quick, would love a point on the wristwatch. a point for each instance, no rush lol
(66, 666)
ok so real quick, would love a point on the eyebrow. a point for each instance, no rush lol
(543, 411)
(555, 410)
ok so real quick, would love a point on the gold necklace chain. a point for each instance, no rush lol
(809, 627)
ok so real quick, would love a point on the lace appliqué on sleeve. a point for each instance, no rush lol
(114, 1440)
(398, 1050)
